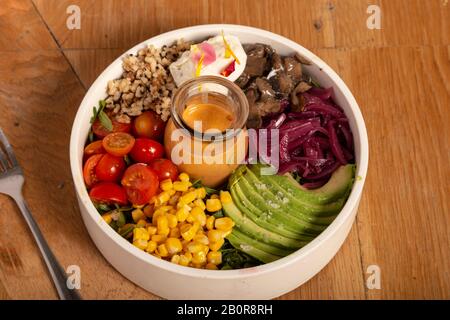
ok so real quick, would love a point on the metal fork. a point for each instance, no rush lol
(11, 182)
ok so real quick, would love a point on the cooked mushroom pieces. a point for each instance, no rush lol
(296, 97)
(258, 59)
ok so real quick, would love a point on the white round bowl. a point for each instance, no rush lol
(267, 281)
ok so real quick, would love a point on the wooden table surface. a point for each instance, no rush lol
(399, 74)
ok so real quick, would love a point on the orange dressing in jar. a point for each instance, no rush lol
(206, 136)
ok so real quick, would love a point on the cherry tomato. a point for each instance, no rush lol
(149, 125)
(118, 143)
(165, 169)
(140, 182)
(89, 170)
(108, 193)
(92, 148)
(100, 131)
(110, 168)
(146, 150)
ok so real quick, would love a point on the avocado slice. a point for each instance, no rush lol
(246, 207)
(276, 196)
(247, 239)
(336, 188)
(246, 225)
(261, 255)
(276, 212)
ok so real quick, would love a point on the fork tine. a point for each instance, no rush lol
(8, 149)
(3, 161)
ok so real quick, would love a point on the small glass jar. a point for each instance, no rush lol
(210, 156)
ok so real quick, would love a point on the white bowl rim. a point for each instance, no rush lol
(344, 214)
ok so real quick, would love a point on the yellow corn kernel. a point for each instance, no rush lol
(159, 238)
(107, 217)
(141, 223)
(162, 198)
(183, 177)
(175, 232)
(211, 266)
(188, 197)
(201, 238)
(201, 193)
(182, 214)
(213, 205)
(156, 215)
(199, 215)
(140, 234)
(137, 214)
(148, 210)
(199, 257)
(224, 223)
(199, 203)
(184, 261)
(175, 259)
(181, 186)
(171, 193)
(187, 232)
(164, 231)
(215, 235)
(162, 251)
(140, 243)
(225, 197)
(197, 265)
(166, 185)
(166, 209)
(215, 246)
(151, 230)
(172, 220)
(173, 245)
(194, 247)
(151, 246)
(210, 222)
(162, 223)
(215, 257)
(174, 197)
(214, 196)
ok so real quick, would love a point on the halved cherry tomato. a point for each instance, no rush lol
(149, 125)
(146, 150)
(89, 170)
(110, 168)
(165, 169)
(108, 193)
(92, 148)
(140, 182)
(100, 131)
(118, 143)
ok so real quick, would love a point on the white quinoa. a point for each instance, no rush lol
(146, 83)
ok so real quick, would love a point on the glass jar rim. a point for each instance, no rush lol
(186, 86)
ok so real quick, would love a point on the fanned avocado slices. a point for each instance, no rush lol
(275, 215)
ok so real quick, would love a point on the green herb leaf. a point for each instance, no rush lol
(101, 207)
(91, 136)
(218, 214)
(105, 121)
(94, 116)
(127, 159)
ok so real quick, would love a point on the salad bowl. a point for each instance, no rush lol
(266, 281)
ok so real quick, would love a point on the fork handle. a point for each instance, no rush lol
(56, 271)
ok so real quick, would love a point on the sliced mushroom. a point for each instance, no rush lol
(268, 107)
(302, 59)
(254, 119)
(265, 89)
(282, 83)
(293, 69)
(300, 88)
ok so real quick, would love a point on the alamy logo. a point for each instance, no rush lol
(73, 277)
(374, 20)
(374, 279)
(74, 19)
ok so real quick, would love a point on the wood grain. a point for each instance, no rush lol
(399, 75)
